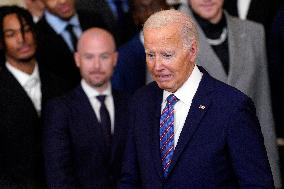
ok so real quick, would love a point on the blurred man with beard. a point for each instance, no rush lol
(24, 89)
(85, 130)
(58, 30)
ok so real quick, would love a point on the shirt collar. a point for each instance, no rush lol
(91, 92)
(58, 24)
(21, 76)
(187, 91)
(141, 37)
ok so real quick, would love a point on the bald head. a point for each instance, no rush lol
(96, 57)
(183, 22)
(94, 34)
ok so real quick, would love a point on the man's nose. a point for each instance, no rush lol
(97, 62)
(158, 64)
(20, 37)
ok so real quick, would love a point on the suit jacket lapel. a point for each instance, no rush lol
(115, 137)
(54, 37)
(155, 130)
(238, 49)
(199, 106)
(118, 123)
(82, 104)
(47, 89)
(18, 91)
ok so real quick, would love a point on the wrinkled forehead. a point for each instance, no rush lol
(164, 37)
(163, 32)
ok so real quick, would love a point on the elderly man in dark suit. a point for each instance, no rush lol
(58, 31)
(85, 131)
(24, 89)
(189, 130)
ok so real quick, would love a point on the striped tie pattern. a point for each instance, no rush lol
(167, 133)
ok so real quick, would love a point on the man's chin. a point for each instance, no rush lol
(98, 84)
(162, 85)
(26, 59)
(166, 87)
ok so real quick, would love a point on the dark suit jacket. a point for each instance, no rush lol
(276, 69)
(220, 146)
(55, 54)
(130, 71)
(123, 31)
(21, 164)
(73, 143)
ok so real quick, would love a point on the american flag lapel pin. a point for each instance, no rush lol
(201, 107)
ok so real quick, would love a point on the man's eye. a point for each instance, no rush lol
(9, 34)
(88, 57)
(105, 56)
(167, 55)
(150, 55)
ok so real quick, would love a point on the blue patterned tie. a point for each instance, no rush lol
(167, 133)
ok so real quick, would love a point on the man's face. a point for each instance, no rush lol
(64, 9)
(144, 8)
(210, 10)
(168, 61)
(96, 59)
(19, 42)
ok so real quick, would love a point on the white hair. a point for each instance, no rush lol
(165, 17)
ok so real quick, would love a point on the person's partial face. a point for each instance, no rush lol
(169, 62)
(64, 9)
(96, 59)
(35, 7)
(144, 8)
(210, 10)
(19, 42)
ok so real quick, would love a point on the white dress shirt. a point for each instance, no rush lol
(92, 93)
(59, 26)
(243, 8)
(185, 95)
(30, 83)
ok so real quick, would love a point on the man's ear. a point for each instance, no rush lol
(77, 59)
(115, 58)
(193, 51)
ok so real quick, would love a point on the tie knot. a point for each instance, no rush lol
(172, 100)
(31, 82)
(69, 27)
(101, 98)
